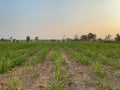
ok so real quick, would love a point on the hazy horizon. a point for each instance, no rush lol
(49, 19)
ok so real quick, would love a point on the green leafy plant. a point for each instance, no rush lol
(60, 75)
(99, 70)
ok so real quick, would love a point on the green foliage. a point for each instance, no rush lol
(117, 64)
(104, 84)
(16, 54)
(3, 65)
(81, 59)
(91, 52)
(41, 56)
(99, 70)
(117, 38)
(61, 77)
(95, 54)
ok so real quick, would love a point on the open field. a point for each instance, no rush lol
(60, 66)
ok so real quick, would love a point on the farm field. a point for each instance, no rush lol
(60, 66)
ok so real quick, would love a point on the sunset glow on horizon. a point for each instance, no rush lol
(49, 19)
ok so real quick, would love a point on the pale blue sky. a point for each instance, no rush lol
(53, 18)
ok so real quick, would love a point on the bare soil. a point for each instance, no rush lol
(37, 77)
(114, 76)
(32, 78)
(40, 76)
(81, 75)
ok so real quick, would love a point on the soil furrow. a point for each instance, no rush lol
(44, 74)
(80, 74)
(32, 77)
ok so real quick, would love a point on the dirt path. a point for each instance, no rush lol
(80, 74)
(44, 73)
(32, 77)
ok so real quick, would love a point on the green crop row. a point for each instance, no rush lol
(104, 53)
(11, 58)
(60, 75)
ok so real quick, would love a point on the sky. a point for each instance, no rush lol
(50, 19)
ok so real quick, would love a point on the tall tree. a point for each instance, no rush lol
(2, 39)
(36, 38)
(68, 39)
(117, 38)
(84, 37)
(27, 38)
(92, 36)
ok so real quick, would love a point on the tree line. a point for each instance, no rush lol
(86, 37)
(92, 37)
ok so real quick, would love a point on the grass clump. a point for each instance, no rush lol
(117, 64)
(82, 59)
(99, 70)
(4, 65)
(60, 75)
(103, 84)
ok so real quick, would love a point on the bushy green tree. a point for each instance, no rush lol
(27, 38)
(91, 36)
(117, 38)
(84, 37)
(36, 38)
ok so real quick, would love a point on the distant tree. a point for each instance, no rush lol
(14, 40)
(117, 38)
(2, 39)
(27, 38)
(108, 37)
(99, 39)
(84, 37)
(91, 36)
(68, 39)
(36, 38)
(53, 40)
(76, 37)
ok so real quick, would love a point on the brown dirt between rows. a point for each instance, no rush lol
(82, 75)
(42, 74)
(45, 73)
(36, 80)
(17, 72)
(114, 75)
